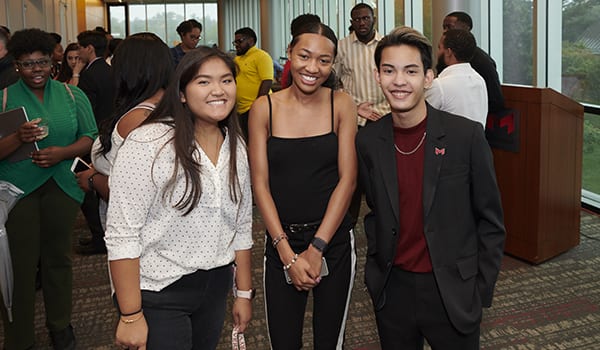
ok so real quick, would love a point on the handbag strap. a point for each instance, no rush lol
(69, 91)
(5, 95)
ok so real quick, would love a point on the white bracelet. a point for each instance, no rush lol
(288, 266)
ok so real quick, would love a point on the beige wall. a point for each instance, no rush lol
(58, 16)
(94, 15)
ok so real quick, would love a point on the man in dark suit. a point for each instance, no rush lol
(435, 232)
(96, 82)
(483, 63)
(95, 79)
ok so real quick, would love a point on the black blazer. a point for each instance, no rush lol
(96, 82)
(463, 219)
(484, 64)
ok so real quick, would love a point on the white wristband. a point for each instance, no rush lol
(246, 294)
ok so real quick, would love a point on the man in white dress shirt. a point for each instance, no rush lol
(459, 89)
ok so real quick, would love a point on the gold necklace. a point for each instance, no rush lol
(414, 150)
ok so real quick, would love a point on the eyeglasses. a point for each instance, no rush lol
(239, 41)
(42, 63)
(361, 19)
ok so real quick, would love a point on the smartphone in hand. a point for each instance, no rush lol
(79, 165)
(324, 268)
(324, 272)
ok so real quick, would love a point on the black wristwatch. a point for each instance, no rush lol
(319, 244)
(91, 181)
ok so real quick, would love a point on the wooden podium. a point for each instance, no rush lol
(540, 178)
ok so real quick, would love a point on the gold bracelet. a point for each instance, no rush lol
(131, 320)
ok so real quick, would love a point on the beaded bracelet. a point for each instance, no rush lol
(288, 266)
(279, 239)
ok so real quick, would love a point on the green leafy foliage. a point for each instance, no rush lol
(518, 42)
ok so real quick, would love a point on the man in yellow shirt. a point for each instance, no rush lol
(255, 75)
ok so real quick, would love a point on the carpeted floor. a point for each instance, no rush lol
(555, 305)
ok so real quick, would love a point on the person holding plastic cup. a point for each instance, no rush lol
(40, 225)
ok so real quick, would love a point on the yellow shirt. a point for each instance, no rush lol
(253, 67)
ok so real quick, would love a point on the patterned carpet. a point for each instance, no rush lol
(555, 305)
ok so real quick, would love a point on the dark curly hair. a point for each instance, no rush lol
(462, 43)
(28, 41)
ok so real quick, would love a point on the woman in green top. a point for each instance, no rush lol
(40, 226)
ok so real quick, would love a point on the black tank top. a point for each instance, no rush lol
(303, 173)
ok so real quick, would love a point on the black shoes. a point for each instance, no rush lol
(63, 340)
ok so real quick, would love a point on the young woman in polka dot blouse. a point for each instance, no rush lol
(180, 214)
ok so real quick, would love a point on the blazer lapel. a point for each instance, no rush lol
(435, 149)
(387, 160)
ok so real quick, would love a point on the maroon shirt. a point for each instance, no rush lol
(411, 253)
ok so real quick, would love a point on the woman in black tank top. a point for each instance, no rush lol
(303, 164)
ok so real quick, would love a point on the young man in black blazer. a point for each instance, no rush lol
(95, 78)
(96, 82)
(435, 231)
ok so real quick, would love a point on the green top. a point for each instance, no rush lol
(69, 116)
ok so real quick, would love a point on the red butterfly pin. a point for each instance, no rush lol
(440, 151)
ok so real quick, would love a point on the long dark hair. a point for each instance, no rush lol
(66, 72)
(173, 112)
(324, 30)
(142, 65)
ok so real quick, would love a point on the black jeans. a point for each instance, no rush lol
(189, 313)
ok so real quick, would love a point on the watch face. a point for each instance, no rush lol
(319, 244)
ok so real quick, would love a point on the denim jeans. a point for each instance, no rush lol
(189, 313)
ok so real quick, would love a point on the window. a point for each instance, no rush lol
(117, 25)
(518, 42)
(163, 18)
(581, 50)
(581, 78)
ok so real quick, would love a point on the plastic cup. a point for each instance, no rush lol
(43, 126)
